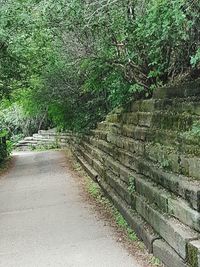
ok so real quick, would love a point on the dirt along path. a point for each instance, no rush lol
(44, 220)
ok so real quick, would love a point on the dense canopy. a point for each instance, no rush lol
(67, 63)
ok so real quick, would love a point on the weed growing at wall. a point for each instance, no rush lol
(131, 187)
(155, 261)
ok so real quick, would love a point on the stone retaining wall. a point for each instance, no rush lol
(45, 139)
(146, 158)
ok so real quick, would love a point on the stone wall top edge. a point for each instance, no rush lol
(182, 90)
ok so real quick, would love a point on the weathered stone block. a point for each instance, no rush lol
(179, 185)
(193, 256)
(171, 121)
(140, 133)
(164, 137)
(113, 118)
(194, 167)
(85, 155)
(152, 193)
(196, 108)
(163, 155)
(190, 191)
(112, 165)
(164, 104)
(167, 254)
(104, 146)
(141, 228)
(185, 90)
(126, 174)
(98, 167)
(147, 105)
(133, 146)
(192, 107)
(135, 106)
(114, 128)
(130, 118)
(91, 172)
(176, 234)
(115, 140)
(101, 134)
(182, 211)
(127, 159)
(128, 130)
(135, 132)
(121, 188)
(103, 126)
(145, 119)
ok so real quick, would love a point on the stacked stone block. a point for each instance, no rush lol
(44, 138)
(146, 157)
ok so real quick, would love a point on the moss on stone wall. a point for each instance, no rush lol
(147, 159)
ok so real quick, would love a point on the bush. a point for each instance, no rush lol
(120, 50)
(4, 152)
(73, 61)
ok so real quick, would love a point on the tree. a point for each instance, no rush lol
(69, 62)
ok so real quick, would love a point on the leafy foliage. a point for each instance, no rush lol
(122, 49)
(67, 63)
(4, 149)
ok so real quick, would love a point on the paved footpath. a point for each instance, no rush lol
(45, 223)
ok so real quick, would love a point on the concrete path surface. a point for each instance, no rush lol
(44, 221)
